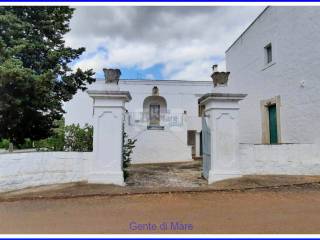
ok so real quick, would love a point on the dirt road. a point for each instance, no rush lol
(216, 212)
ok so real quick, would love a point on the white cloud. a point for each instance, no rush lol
(94, 62)
(186, 40)
(131, 54)
(197, 70)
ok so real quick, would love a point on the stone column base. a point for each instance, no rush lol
(106, 178)
(215, 176)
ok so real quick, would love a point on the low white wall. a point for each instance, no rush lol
(287, 159)
(21, 170)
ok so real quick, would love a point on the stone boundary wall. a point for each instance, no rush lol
(287, 159)
(21, 170)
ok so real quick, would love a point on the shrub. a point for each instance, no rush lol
(127, 150)
(78, 139)
(64, 138)
(68, 138)
(4, 143)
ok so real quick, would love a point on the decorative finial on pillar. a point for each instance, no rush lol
(219, 78)
(112, 75)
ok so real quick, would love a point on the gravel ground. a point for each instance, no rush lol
(180, 175)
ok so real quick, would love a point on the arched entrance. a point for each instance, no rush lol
(154, 107)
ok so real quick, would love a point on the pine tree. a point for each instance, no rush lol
(35, 73)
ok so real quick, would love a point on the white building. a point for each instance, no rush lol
(276, 62)
(162, 115)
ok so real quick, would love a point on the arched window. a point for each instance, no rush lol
(156, 100)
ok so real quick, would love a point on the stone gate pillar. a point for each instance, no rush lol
(108, 114)
(221, 111)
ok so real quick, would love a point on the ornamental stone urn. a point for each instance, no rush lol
(112, 75)
(220, 79)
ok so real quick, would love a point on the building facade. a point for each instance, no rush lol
(163, 116)
(276, 62)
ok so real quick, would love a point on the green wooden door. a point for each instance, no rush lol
(273, 124)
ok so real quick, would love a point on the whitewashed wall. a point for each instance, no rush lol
(169, 145)
(158, 146)
(294, 33)
(180, 96)
(287, 159)
(21, 170)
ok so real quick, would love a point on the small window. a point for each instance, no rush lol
(268, 53)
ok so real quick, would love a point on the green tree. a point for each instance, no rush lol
(35, 73)
(56, 141)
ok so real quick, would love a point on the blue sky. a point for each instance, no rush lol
(160, 43)
(151, 73)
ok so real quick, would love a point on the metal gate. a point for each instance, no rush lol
(206, 148)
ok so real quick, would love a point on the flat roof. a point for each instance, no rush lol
(161, 82)
(247, 28)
